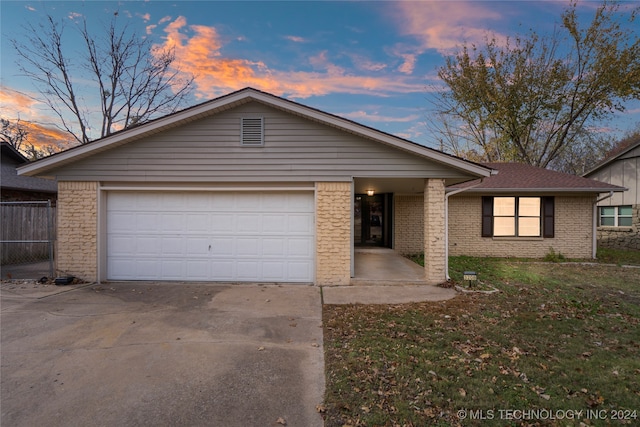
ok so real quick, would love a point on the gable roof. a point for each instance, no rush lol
(11, 158)
(614, 156)
(235, 99)
(520, 177)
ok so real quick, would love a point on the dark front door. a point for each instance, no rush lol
(372, 220)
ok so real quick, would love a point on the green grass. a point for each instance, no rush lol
(556, 337)
(617, 256)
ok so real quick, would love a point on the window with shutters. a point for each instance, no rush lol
(252, 131)
(517, 217)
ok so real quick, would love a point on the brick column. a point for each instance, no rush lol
(434, 239)
(333, 233)
(77, 211)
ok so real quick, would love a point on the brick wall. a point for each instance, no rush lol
(333, 233)
(408, 214)
(434, 237)
(621, 237)
(573, 231)
(76, 249)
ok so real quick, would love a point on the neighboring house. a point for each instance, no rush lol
(524, 211)
(619, 215)
(22, 188)
(246, 187)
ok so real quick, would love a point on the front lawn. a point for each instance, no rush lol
(558, 345)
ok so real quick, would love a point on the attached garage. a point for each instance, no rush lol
(241, 236)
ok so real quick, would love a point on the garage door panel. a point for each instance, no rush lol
(148, 246)
(248, 223)
(197, 223)
(300, 223)
(197, 245)
(272, 246)
(172, 245)
(226, 236)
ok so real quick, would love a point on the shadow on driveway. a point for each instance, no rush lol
(161, 354)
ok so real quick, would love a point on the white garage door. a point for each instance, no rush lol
(224, 236)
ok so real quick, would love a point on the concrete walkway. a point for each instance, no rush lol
(384, 266)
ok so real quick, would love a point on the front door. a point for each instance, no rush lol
(372, 220)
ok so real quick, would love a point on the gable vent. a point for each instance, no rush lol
(252, 131)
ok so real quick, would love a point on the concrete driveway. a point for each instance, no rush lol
(138, 354)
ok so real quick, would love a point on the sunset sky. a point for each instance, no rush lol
(372, 62)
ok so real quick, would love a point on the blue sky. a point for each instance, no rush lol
(371, 61)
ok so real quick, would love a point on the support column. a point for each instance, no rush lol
(333, 233)
(434, 238)
(76, 252)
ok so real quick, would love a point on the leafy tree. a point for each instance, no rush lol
(130, 78)
(535, 99)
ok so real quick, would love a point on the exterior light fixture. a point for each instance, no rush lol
(370, 192)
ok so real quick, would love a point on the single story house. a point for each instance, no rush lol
(245, 187)
(524, 211)
(21, 188)
(250, 187)
(619, 213)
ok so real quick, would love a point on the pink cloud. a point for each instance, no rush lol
(443, 25)
(200, 54)
(296, 39)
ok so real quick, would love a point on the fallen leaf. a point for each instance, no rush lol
(281, 421)
(321, 409)
(260, 348)
(462, 392)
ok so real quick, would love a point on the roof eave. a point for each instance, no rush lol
(545, 190)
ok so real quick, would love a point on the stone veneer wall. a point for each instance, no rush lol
(408, 214)
(76, 248)
(573, 231)
(434, 233)
(621, 237)
(333, 233)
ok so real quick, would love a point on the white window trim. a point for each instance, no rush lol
(616, 216)
(517, 217)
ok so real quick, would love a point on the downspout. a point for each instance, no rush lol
(446, 224)
(594, 243)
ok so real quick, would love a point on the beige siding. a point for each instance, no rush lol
(295, 149)
(624, 172)
(76, 252)
(333, 233)
(573, 231)
(408, 216)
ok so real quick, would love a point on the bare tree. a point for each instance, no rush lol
(532, 99)
(124, 73)
(13, 133)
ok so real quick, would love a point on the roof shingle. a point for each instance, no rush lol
(526, 178)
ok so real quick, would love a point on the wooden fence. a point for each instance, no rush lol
(27, 232)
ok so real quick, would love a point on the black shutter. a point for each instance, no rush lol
(547, 216)
(487, 216)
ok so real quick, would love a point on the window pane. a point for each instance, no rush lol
(504, 206)
(528, 226)
(624, 211)
(529, 206)
(607, 210)
(624, 222)
(504, 226)
(607, 221)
